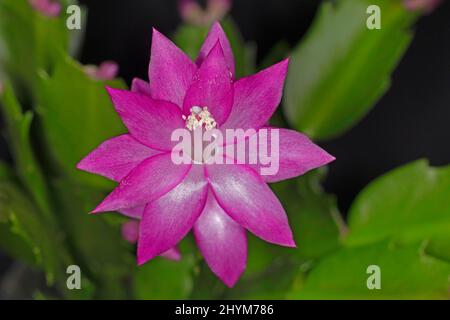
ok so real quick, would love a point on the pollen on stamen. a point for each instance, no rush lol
(199, 116)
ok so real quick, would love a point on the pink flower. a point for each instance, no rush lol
(218, 202)
(193, 13)
(130, 232)
(47, 8)
(107, 70)
(423, 5)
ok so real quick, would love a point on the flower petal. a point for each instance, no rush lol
(222, 242)
(135, 212)
(149, 121)
(257, 97)
(167, 220)
(116, 157)
(170, 72)
(141, 86)
(212, 87)
(172, 254)
(149, 181)
(130, 232)
(296, 155)
(244, 196)
(216, 33)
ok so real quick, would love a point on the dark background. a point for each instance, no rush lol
(410, 122)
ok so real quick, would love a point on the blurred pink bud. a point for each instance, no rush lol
(107, 70)
(423, 5)
(193, 13)
(186, 8)
(130, 231)
(219, 8)
(172, 254)
(48, 8)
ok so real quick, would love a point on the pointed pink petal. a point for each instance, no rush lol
(149, 181)
(245, 197)
(222, 242)
(257, 97)
(149, 121)
(297, 155)
(170, 72)
(135, 212)
(212, 87)
(167, 220)
(116, 157)
(217, 34)
(140, 86)
(172, 254)
(130, 231)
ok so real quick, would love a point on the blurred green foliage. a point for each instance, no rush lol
(341, 68)
(165, 279)
(73, 123)
(54, 114)
(406, 273)
(410, 203)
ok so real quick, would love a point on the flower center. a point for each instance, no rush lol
(200, 116)
(198, 122)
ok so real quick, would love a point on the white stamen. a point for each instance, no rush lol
(200, 116)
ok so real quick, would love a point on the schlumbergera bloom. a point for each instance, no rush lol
(48, 8)
(193, 13)
(424, 5)
(219, 202)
